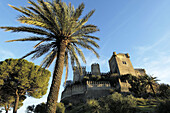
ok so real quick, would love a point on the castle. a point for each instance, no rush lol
(94, 84)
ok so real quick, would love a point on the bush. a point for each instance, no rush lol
(60, 108)
(41, 108)
(164, 90)
(163, 107)
(116, 103)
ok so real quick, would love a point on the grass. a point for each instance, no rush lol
(146, 105)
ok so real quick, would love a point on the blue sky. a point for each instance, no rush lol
(138, 27)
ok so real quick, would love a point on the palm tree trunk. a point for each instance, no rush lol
(57, 75)
(152, 89)
(16, 102)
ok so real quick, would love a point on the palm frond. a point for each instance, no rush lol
(28, 29)
(78, 11)
(87, 47)
(81, 22)
(20, 10)
(86, 41)
(49, 58)
(29, 54)
(79, 52)
(74, 56)
(41, 50)
(32, 38)
(92, 37)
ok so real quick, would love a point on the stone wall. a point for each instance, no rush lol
(73, 90)
(96, 89)
(140, 72)
(124, 86)
(74, 99)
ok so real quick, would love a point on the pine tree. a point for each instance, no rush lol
(20, 78)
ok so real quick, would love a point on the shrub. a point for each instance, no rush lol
(163, 107)
(116, 103)
(60, 108)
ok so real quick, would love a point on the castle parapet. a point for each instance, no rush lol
(98, 85)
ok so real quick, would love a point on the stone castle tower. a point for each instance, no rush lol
(121, 64)
(95, 69)
(77, 76)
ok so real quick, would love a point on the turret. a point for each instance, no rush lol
(121, 64)
(95, 69)
(77, 76)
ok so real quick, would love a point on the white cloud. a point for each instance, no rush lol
(4, 54)
(159, 68)
(155, 58)
(160, 43)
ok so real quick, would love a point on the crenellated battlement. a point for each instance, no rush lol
(98, 85)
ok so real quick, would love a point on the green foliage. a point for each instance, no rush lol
(114, 103)
(22, 78)
(92, 106)
(163, 107)
(95, 77)
(41, 108)
(142, 85)
(7, 100)
(150, 82)
(164, 90)
(60, 108)
(138, 85)
(30, 109)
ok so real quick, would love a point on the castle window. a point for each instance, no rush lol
(124, 62)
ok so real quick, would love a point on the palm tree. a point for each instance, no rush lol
(60, 33)
(150, 81)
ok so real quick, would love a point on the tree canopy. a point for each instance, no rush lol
(22, 78)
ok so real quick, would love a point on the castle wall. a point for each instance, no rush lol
(74, 99)
(92, 90)
(140, 72)
(124, 86)
(97, 89)
(73, 90)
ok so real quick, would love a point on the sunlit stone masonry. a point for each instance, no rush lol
(95, 84)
